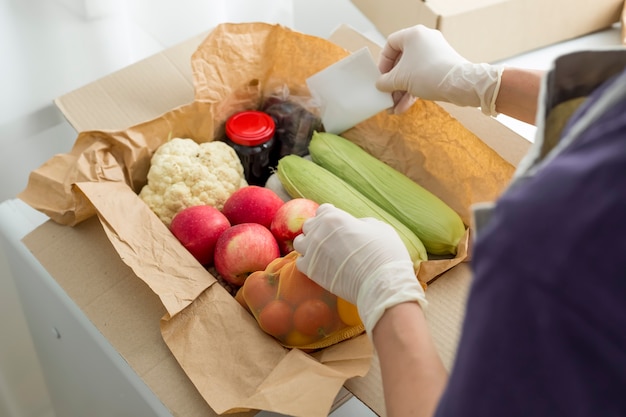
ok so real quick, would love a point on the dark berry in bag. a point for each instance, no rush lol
(294, 127)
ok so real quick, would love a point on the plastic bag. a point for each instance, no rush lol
(295, 310)
(296, 118)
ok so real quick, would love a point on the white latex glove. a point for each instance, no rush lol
(363, 261)
(419, 62)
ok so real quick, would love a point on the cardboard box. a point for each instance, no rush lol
(491, 30)
(108, 292)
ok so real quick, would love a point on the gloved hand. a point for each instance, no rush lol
(363, 261)
(419, 62)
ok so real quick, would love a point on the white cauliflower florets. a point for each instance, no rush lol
(184, 173)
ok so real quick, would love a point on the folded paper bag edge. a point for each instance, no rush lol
(271, 371)
(48, 191)
(146, 245)
(325, 381)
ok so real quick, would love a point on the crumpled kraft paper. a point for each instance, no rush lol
(233, 364)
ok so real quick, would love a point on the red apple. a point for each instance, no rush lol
(243, 249)
(252, 204)
(287, 223)
(198, 228)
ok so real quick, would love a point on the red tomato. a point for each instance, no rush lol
(295, 287)
(313, 317)
(276, 318)
(259, 289)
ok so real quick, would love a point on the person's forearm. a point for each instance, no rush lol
(412, 372)
(519, 93)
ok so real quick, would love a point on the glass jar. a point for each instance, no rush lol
(251, 134)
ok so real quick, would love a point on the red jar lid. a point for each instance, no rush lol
(250, 128)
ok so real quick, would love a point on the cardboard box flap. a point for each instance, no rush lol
(112, 103)
(445, 8)
(408, 13)
(349, 38)
(173, 273)
(490, 30)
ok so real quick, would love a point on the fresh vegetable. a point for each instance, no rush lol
(313, 317)
(184, 173)
(438, 226)
(306, 179)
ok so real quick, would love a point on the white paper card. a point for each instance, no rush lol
(346, 92)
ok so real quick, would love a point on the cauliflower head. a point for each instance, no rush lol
(184, 173)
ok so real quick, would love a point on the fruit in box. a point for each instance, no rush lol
(198, 228)
(243, 249)
(287, 223)
(252, 204)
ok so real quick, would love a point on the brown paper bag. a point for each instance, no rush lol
(233, 364)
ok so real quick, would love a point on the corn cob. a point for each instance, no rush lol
(303, 178)
(438, 226)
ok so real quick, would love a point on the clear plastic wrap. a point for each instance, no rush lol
(296, 118)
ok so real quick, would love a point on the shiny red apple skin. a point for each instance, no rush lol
(198, 228)
(242, 249)
(252, 204)
(287, 223)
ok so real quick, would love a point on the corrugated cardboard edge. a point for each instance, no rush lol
(490, 30)
(113, 99)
